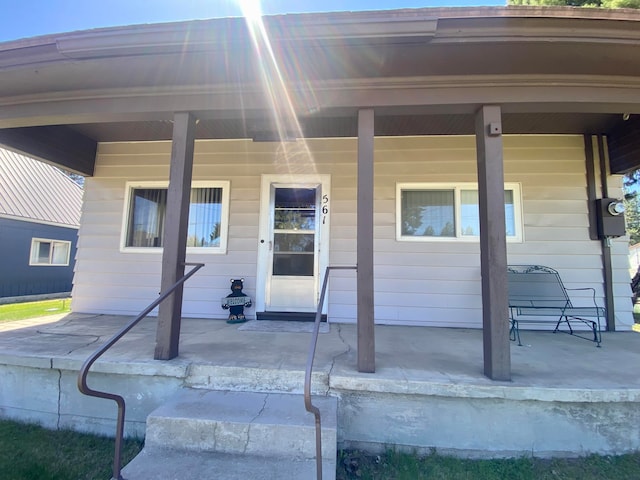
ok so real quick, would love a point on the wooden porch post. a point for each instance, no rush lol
(175, 234)
(493, 244)
(366, 333)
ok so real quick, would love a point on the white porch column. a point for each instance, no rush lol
(175, 234)
(493, 244)
(366, 333)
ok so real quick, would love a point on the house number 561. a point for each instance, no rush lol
(325, 208)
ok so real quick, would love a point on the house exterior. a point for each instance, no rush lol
(39, 219)
(403, 142)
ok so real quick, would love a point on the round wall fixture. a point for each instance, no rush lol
(616, 208)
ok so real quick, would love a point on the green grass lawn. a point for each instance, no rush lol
(28, 452)
(20, 311)
(397, 466)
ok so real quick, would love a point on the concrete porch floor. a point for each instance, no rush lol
(412, 364)
(403, 354)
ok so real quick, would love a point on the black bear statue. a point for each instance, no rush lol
(236, 302)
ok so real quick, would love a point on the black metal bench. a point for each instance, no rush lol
(537, 295)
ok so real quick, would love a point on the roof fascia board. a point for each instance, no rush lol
(478, 25)
(210, 35)
(40, 222)
(597, 94)
(214, 36)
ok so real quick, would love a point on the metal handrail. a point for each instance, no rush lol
(82, 376)
(307, 376)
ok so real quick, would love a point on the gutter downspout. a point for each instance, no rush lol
(606, 243)
(607, 268)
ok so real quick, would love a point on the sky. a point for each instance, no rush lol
(29, 18)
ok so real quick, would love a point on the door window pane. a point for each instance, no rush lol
(295, 198)
(296, 264)
(293, 242)
(295, 209)
(294, 231)
(294, 219)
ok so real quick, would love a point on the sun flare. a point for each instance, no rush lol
(295, 156)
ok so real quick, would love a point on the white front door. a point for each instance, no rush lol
(293, 242)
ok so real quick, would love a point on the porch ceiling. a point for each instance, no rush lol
(346, 126)
(423, 71)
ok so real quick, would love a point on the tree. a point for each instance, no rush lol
(578, 3)
(632, 218)
(79, 179)
(630, 186)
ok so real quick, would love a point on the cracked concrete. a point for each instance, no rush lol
(241, 423)
(426, 378)
(257, 415)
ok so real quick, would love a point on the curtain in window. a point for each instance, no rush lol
(60, 253)
(146, 220)
(428, 213)
(49, 252)
(147, 217)
(205, 216)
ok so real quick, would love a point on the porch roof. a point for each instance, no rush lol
(424, 71)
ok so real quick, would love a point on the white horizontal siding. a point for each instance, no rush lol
(416, 283)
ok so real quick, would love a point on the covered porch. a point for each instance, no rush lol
(475, 72)
(566, 396)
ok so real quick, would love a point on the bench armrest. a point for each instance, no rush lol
(593, 294)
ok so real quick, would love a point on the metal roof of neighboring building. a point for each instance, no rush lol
(35, 191)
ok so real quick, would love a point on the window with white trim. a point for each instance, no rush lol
(46, 252)
(450, 212)
(145, 210)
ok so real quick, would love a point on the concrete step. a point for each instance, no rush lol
(264, 435)
(169, 464)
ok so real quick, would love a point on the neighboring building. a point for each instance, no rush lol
(401, 141)
(39, 219)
